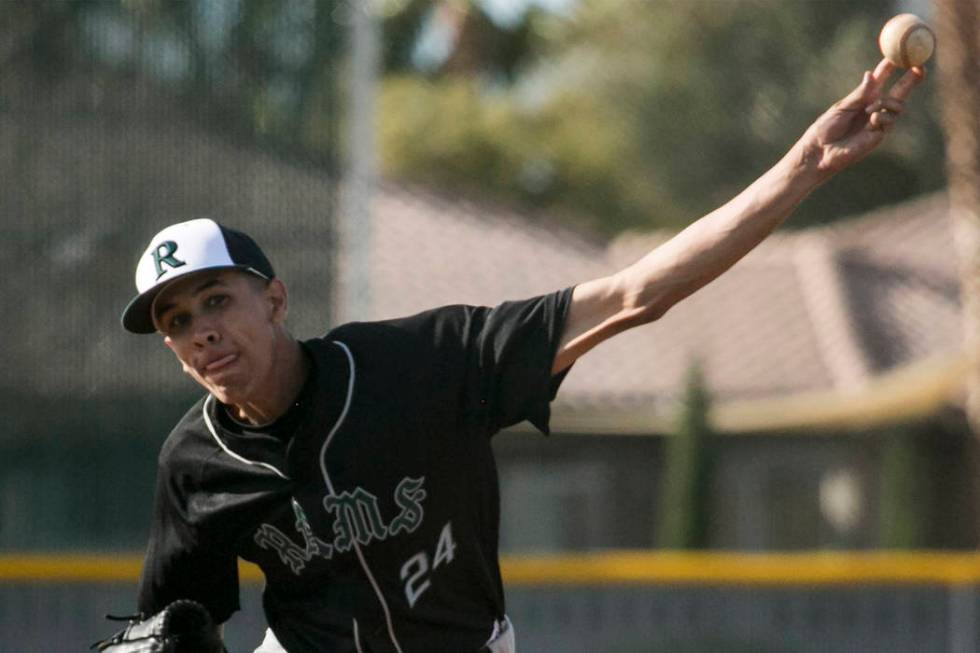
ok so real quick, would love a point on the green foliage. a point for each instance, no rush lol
(284, 78)
(679, 104)
(450, 133)
(482, 48)
(42, 35)
(684, 506)
(904, 502)
(623, 114)
(263, 68)
(402, 26)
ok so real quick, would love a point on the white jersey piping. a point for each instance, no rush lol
(357, 638)
(329, 484)
(214, 434)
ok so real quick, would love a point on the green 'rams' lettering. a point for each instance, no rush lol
(357, 519)
(408, 495)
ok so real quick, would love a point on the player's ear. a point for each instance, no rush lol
(278, 298)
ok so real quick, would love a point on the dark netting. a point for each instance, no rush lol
(117, 119)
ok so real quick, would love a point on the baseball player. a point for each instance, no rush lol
(356, 469)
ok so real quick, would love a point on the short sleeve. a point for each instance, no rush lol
(487, 367)
(178, 564)
(516, 346)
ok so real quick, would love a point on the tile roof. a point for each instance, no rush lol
(813, 310)
(426, 251)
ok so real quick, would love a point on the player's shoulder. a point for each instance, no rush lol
(189, 440)
(454, 313)
(434, 326)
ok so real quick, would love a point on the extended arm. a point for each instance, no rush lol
(646, 290)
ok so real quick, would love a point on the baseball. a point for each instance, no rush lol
(907, 41)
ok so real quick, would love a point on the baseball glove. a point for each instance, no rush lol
(181, 627)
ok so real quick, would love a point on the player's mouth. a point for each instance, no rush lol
(219, 364)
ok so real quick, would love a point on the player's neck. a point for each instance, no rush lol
(290, 370)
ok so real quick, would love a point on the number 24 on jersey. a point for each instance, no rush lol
(416, 571)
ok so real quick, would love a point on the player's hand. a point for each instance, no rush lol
(855, 125)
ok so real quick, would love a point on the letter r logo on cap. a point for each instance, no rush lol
(164, 253)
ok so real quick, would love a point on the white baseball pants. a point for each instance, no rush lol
(501, 640)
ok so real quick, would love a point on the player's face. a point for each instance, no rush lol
(222, 325)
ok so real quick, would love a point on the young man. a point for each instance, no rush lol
(356, 469)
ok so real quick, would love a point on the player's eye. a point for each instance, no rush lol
(177, 322)
(216, 300)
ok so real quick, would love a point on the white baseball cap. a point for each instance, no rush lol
(181, 249)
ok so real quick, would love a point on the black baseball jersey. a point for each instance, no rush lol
(372, 506)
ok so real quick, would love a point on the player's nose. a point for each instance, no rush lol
(206, 334)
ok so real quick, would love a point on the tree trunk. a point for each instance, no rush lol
(958, 52)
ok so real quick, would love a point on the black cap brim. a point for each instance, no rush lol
(137, 317)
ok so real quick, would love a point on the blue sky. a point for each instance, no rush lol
(508, 12)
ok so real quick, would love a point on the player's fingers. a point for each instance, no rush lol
(882, 72)
(881, 120)
(886, 104)
(870, 86)
(858, 98)
(901, 89)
